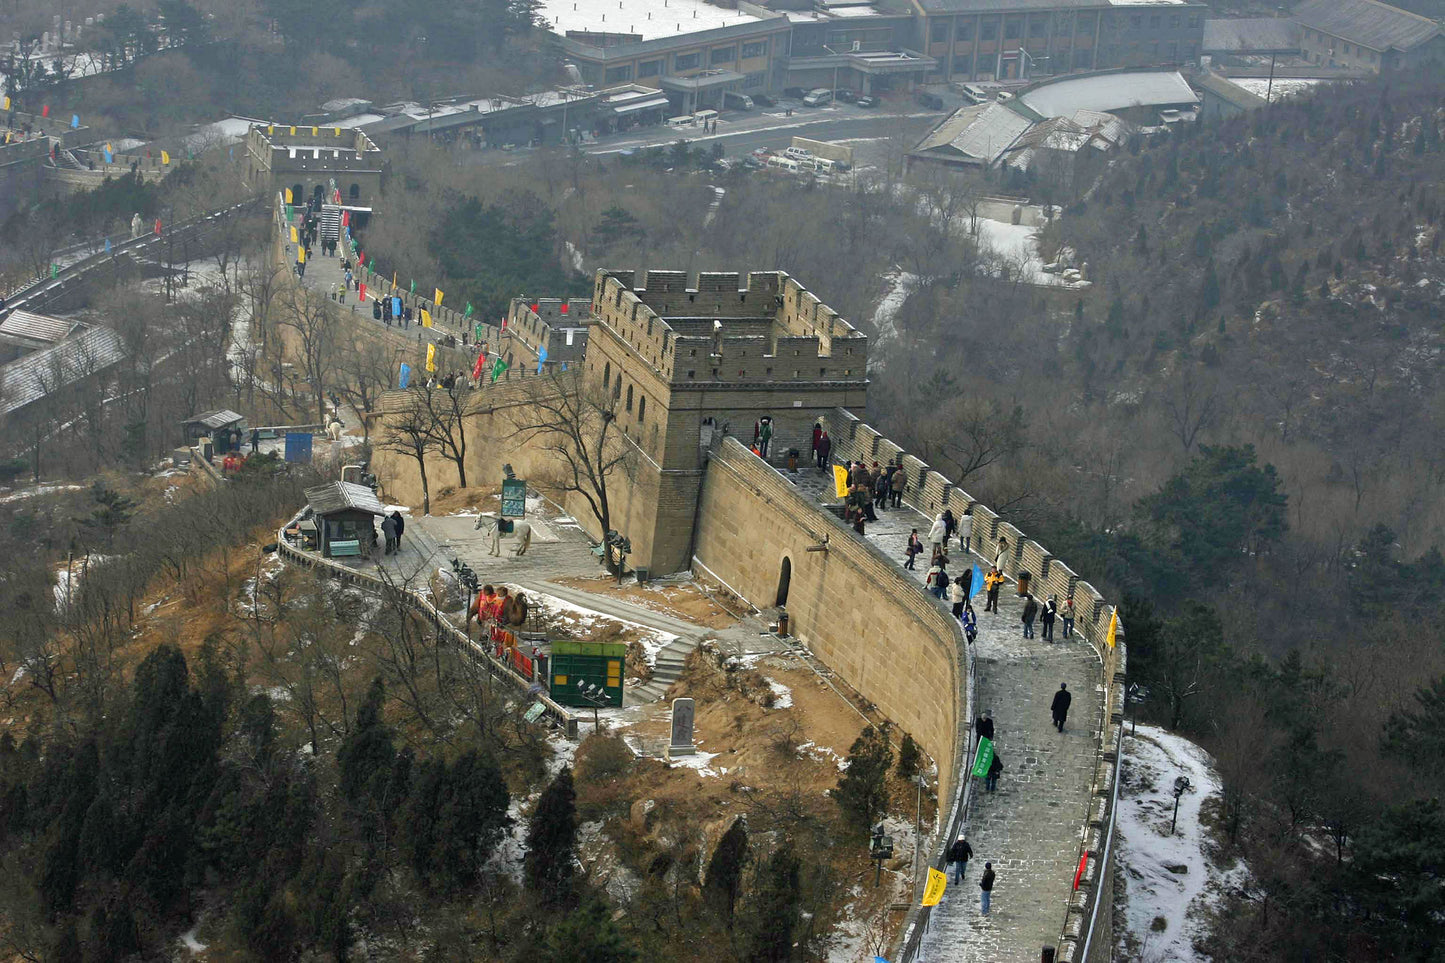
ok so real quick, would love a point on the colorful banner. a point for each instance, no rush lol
(438, 299)
(840, 481)
(1113, 628)
(431, 357)
(45, 111)
(469, 314)
(425, 318)
(270, 129)
(1079, 873)
(289, 198)
(541, 358)
(300, 255)
(933, 892)
(413, 285)
(293, 131)
(165, 158)
(477, 332)
(107, 154)
(7, 103)
(54, 270)
(361, 292)
(74, 121)
(290, 212)
(107, 245)
(984, 759)
(396, 307)
(403, 377)
(498, 367)
(295, 238)
(479, 366)
(158, 227)
(338, 132)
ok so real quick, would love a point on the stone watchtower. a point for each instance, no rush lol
(690, 364)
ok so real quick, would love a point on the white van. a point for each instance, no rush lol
(801, 154)
(783, 163)
(737, 101)
(704, 116)
(824, 165)
(818, 97)
(684, 121)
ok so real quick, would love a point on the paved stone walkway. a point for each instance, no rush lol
(1031, 827)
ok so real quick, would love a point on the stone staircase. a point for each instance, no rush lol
(665, 671)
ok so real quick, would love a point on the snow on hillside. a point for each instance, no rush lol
(1168, 881)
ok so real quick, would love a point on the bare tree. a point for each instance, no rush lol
(410, 433)
(368, 367)
(312, 326)
(968, 435)
(1194, 405)
(576, 423)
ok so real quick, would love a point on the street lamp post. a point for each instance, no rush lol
(835, 71)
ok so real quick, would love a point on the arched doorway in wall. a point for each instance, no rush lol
(784, 578)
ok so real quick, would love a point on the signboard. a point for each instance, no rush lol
(984, 759)
(591, 663)
(514, 498)
(933, 892)
(298, 446)
(534, 712)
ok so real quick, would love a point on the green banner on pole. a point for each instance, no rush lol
(984, 759)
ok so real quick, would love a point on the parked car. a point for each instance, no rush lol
(818, 97)
(847, 96)
(867, 101)
(763, 100)
(931, 101)
(798, 92)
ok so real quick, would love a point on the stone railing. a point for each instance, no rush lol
(556, 714)
(1085, 934)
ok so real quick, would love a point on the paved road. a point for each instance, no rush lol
(1030, 828)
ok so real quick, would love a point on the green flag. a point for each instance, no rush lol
(498, 367)
(290, 212)
(469, 310)
(984, 759)
(413, 285)
(54, 270)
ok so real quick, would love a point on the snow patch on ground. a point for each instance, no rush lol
(1167, 877)
(37, 491)
(900, 284)
(782, 695)
(815, 751)
(701, 761)
(189, 941)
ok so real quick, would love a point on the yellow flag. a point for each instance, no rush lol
(1113, 628)
(840, 480)
(288, 198)
(294, 238)
(425, 318)
(109, 148)
(338, 132)
(7, 137)
(293, 129)
(165, 157)
(7, 103)
(300, 253)
(393, 280)
(933, 892)
(431, 355)
(314, 131)
(438, 298)
(270, 128)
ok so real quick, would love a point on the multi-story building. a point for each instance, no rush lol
(1366, 35)
(687, 365)
(1023, 39)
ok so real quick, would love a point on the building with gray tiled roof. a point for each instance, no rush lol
(1366, 35)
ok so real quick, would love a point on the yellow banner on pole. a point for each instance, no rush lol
(293, 130)
(295, 239)
(7, 103)
(270, 129)
(840, 480)
(315, 132)
(438, 298)
(431, 357)
(338, 132)
(937, 883)
(1113, 628)
(165, 157)
(300, 253)
(289, 200)
(425, 318)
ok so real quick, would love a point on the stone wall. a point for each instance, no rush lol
(850, 604)
(1088, 919)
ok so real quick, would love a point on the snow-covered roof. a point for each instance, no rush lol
(981, 132)
(1251, 35)
(29, 379)
(1111, 91)
(35, 327)
(650, 19)
(1378, 26)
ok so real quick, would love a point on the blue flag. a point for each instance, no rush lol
(541, 358)
(976, 585)
(109, 157)
(232, 153)
(404, 378)
(74, 121)
(107, 245)
(396, 307)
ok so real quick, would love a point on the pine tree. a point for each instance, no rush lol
(775, 908)
(909, 757)
(551, 859)
(113, 512)
(366, 754)
(862, 793)
(725, 869)
(587, 935)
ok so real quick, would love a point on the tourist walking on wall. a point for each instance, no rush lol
(388, 532)
(938, 533)
(965, 529)
(817, 437)
(880, 490)
(1067, 614)
(970, 622)
(400, 527)
(825, 449)
(950, 525)
(985, 886)
(1060, 706)
(995, 769)
(937, 577)
(896, 483)
(914, 549)
(992, 581)
(1000, 554)
(983, 727)
(959, 854)
(958, 596)
(1046, 618)
(1031, 611)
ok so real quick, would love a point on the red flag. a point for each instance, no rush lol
(564, 307)
(345, 218)
(45, 111)
(534, 309)
(338, 195)
(361, 290)
(360, 257)
(481, 363)
(158, 226)
(504, 324)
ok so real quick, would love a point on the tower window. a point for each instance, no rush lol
(642, 408)
(629, 397)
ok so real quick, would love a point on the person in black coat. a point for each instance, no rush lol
(983, 727)
(995, 769)
(959, 854)
(986, 886)
(400, 527)
(1060, 707)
